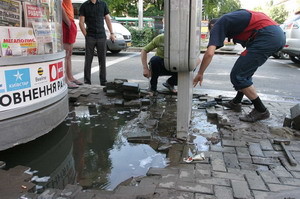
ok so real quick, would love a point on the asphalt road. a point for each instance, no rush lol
(276, 77)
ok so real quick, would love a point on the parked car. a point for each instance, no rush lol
(291, 28)
(122, 34)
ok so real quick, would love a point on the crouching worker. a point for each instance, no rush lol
(261, 37)
(156, 66)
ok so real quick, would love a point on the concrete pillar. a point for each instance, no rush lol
(184, 103)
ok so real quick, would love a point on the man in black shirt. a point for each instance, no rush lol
(93, 13)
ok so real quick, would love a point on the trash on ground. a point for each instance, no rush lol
(197, 157)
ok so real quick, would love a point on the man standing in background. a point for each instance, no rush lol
(93, 13)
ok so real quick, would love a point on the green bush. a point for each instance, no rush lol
(141, 37)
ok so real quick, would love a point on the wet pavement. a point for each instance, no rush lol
(240, 159)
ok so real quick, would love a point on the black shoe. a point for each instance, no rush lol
(254, 116)
(169, 87)
(103, 83)
(233, 106)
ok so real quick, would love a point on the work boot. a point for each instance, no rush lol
(233, 106)
(254, 116)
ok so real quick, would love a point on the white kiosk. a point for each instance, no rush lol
(182, 49)
(33, 93)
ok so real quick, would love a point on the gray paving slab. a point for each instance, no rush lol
(269, 177)
(223, 192)
(230, 176)
(194, 187)
(266, 145)
(241, 189)
(255, 150)
(214, 181)
(255, 182)
(231, 160)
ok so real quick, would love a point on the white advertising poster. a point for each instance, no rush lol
(25, 85)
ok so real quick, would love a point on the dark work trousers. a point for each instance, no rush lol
(157, 67)
(90, 44)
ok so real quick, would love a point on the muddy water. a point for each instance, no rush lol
(89, 148)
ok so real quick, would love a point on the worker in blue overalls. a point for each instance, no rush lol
(261, 37)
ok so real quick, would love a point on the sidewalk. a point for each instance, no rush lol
(243, 162)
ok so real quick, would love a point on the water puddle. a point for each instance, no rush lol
(91, 147)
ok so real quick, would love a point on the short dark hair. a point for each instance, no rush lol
(211, 23)
(297, 13)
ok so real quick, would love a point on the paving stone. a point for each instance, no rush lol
(278, 187)
(165, 193)
(255, 182)
(203, 170)
(296, 174)
(266, 145)
(162, 171)
(261, 194)
(269, 177)
(255, 150)
(85, 195)
(225, 175)
(223, 192)
(274, 154)
(241, 171)
(241, 189)
(280, 171)
(254, 167)
(136, 190)
(187, 175)
(49, 194)
(265, 161)
(231, 160)
(243, 154)
(194, 187)
(131, 86)
(295, 116)
(290, 181)
(222, 149)
(233, 143)
(149, 180)
(217, 162)
(214, 181)
(71, 191)
(202, 196)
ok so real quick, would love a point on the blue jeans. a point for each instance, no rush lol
(267, 41)
(90, 44)
(158, 69)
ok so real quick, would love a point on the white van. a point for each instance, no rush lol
(122, 34)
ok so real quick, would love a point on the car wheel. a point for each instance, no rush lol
(295, 59)
(115, 51)
(284, 56)
(276, 55)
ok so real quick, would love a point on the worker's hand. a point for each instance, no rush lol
(147, 72)
(112, 37)
(198, 78)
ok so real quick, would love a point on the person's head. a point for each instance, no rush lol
(297, 13)
(211, 23)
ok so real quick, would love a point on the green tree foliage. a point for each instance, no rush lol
(278, 14)
(216, 8)
(130, 7)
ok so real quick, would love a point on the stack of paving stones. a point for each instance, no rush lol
(245, 164)
(295, 117)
